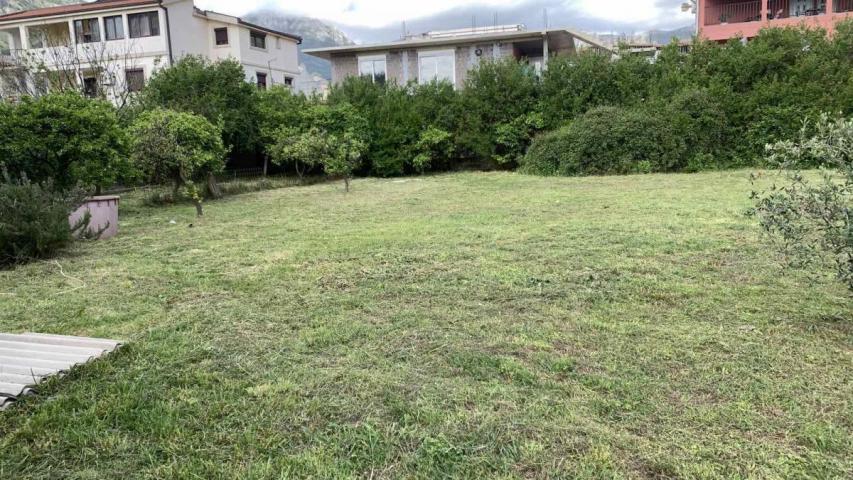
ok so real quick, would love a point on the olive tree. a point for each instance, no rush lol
(812, 217)
(181, 148)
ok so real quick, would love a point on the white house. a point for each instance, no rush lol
(112, 47)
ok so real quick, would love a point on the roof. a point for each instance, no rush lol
(416, 42)
(240, 21)
(75, 8)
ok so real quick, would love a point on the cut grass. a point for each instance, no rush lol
(485, 325)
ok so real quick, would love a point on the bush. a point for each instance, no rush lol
(608, 140)
(34, 220)
(181, 148)
(812, 220)
(65, 139)
(217, 91)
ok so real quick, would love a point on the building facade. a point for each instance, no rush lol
(720, 20)
(112, 47)
(449, 55)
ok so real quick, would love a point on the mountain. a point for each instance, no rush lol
(315, 34)
(7, 6)
(663, 37)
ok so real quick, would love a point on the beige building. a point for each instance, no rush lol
(450, 54)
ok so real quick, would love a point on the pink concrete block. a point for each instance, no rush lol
(104, 212)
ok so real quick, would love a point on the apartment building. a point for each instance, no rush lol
(112, 47)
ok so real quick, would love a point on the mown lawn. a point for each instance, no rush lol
(477, 325)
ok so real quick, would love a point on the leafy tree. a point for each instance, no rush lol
(65, 139)
(304, 149)
(344, 155)
(812, 219)
(500, 93)
(179, 147)
(217, 91)
(433, 144)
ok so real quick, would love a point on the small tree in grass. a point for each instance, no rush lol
(344, 156)
(182, 148)
(305, 149)
(812, 218)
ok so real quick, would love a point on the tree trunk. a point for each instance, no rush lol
(299, 172)
(266, 163)
(212, 187)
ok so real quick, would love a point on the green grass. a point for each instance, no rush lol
(477, 325)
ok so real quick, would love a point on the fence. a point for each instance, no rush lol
(737, 12)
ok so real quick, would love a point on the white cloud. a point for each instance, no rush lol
(376, 13)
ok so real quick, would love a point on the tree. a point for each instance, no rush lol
(217, 91)
(812, 219)
(344, 156)
(67, 139)
(179, 147)
(304, 149)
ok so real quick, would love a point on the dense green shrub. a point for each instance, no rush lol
(34, 220)
(178, 147)
(609, 140)
(812, 219)
(217, 91)
(65, 139)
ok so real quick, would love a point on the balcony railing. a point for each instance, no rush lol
(737, 12)
(842, 6)
(777, 9)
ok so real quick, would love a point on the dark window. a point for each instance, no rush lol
(258, 40)
(87, 30)
(288, 81)
(113, 28)
(144, 24)
(135, 79)
(262, 81)
(221, 36)
(90, 87)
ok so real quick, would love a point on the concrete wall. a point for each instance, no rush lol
(343, 66)
(346, 65)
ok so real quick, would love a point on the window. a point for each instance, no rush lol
(38, 37)
(144, 24)
(258, 39)
(437, 65)
(135, 79)
(262, 80)
(87, 30)
(114, 28)
(221, 35)
(373, 67)
(288, 81)
(90, 87)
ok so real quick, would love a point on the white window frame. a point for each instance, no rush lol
(436, 53)
(372, 58)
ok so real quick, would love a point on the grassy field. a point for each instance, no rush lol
(477, 325)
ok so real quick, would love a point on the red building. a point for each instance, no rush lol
(724, 19)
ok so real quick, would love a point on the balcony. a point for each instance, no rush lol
(725, 12)
(721, 20)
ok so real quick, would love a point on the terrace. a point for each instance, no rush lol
(725, 19)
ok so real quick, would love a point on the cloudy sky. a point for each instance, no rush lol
(367, 17)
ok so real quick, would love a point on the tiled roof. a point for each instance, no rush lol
(75, 8)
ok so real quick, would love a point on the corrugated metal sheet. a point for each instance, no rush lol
(27, 359)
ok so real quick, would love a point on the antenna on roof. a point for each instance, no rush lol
(496, 19)
(473, 22)
(405, 33)
(545, 17)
